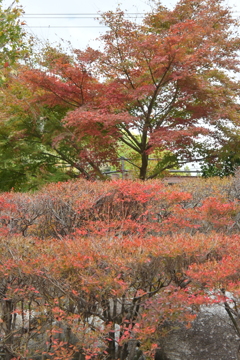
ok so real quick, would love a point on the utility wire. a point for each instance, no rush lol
(75, 14)
(61, 17)
(82, 16)
(86, 14)
(65, 27)
(66, 16)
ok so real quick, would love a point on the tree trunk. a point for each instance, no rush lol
(144, 166)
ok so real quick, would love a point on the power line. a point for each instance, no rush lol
(74, 17)
(93, 14)
(78, 16)
(82, 16)
(75, 14)
(64, 27)
(62, 17)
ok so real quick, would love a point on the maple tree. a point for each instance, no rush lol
(68, 84)
(162, 87)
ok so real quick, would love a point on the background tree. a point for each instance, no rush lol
(223, 161)
(12, 35)
(28, 159)
(225, 166)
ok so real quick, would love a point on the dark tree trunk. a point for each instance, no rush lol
(144, 166)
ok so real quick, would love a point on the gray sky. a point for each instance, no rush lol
(81, 31)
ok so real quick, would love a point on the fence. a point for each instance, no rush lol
(124, 173)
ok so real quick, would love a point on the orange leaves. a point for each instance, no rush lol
(215, 208)
(217, 273)
(115, 208)
(113, 261)
(65, 81)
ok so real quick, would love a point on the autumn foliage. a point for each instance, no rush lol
(13, 37)
(86, 267)
(89, 267)
(157, 89)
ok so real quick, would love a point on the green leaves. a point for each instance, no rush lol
(12, 35)
(27, 157)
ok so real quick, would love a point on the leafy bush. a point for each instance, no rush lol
(87, 266)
